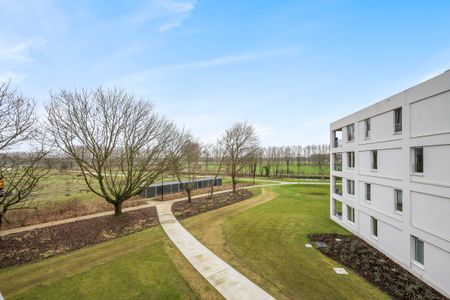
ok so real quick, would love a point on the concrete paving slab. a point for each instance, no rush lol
(340, 271)
(227, 280)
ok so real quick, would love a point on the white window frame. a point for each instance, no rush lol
(374, 227)
(368, 191)
(373, 153)
(351, 132)
(415, 242)
(396, 193)
(351, 159)
(350, 212)
(395, 120)
(367, 128)
(414, 161)
(351, 187)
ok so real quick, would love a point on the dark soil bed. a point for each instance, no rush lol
(374, 266)
(41, 243)
(184, 209)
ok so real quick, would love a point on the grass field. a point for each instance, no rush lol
(262, 237)
(144, 265)
(305, 169)
(266, 243)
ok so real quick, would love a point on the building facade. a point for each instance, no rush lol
(390, 178)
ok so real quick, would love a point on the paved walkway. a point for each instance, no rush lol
(229, 282)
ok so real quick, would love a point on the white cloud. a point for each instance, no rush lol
(169, 25)
(177, 6)
(145, 75)
(167, 14)
(20, 51)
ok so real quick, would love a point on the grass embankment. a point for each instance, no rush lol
(267, 243)
(144, 265)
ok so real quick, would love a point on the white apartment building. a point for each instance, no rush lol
(390, 178)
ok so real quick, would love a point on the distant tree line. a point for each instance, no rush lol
(277, 161)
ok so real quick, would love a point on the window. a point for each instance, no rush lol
(337, 138)
(350, 187)
(350, 214)
(374, 226)
(418, 250)
(418, 160)
(351, 159)
(398, 195)
(368, 192)
(338, 208)
(374, 159)
(337, 159)
(350, 132)
(367, 128)
(398, 120)
(337, 185)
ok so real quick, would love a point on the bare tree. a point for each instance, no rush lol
(241, 143)
(17, 117)
(287, 154)
(20, 174)
(206, 155)
(253, 163)
(118, 142)
(218, 152)
(298, 158)
(187, 167)
(320, 156)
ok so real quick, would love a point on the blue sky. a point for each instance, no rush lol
(288, 67)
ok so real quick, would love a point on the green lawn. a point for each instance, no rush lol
(305, 169)
(139, 266)
(266, 243)
(262, 237)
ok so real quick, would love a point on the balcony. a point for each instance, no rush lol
(337, 161)
(337, 138)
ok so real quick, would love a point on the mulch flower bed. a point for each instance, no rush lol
(41, 243)
(374, 266)
(184, 209)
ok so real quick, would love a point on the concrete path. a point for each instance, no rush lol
(229, 282)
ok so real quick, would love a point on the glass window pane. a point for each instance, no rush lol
(418, 251)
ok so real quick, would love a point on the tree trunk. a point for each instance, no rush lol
(234, 186)
(117, 209)
(189, 195)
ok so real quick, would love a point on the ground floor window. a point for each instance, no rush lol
(398, 194)
(338, 208)
(418, 246)
(374, 226)
(350, 214)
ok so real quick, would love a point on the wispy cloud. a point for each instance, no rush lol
(167, 14)
(179, 11)
(202, 64)
(21, 51)
(169, 25)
